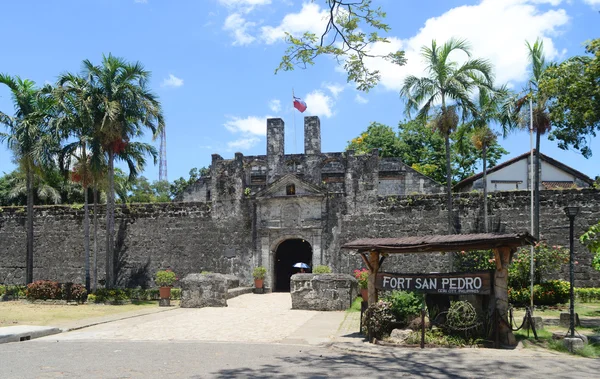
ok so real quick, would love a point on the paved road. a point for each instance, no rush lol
(162, 359)
(259, 336)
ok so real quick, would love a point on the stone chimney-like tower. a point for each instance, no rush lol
(275, 149)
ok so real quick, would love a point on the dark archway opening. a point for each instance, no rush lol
(287, 255)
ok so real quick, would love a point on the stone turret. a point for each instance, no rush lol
(312, 149)
(275, 149)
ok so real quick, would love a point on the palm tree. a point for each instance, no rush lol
(537, 114)
(74, 119)
(124, 107)
(448, 84)
(489, 108)
(29, 139)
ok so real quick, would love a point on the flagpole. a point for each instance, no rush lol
(293, 98)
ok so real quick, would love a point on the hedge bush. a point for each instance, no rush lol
(404, 305)
(12, 292)
(117, 295)
(551, 292)
(378, 319)
(51, 290)
(587, 295)
(322, 270)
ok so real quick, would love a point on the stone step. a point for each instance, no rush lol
(233, 292)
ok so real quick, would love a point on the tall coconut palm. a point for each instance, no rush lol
(523, 115)
(488, 109)
(445, 92)
(75, 119)
(124, 108)
(28, 137)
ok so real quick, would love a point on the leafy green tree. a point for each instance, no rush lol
(179, 185)
(532, 109)
(421, 148)
(124, 108)
(591, 240)
(29, 140)
(377, 136)
(489, 109)
(351, 30)
(449, 84)
(80, 158)
(574, 97)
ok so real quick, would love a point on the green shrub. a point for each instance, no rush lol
(91, 298)
(587, 295)
(377, 320)
(14, 292)
(476, 260)
(176, 293)
(551, 292)
(111, 295)
(547, 259)
(322, 270)
(43, 290)
(165, 278)
(404, 305)
(259, 272)
(73, 291)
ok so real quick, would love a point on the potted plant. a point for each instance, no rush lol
(362, 276)
(259, 276)
(164, 280)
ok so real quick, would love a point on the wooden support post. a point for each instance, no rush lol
(373, 270)
(502, 256)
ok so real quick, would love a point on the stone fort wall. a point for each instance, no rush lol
(195, 237)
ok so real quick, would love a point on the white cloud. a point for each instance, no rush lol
(360, 99)
(496, 30)
(275, 105)
(172, 81)
(251, 125)
(311, 18)
(319, 104)
(244, 5)
(334, 88)
(593, 3)
(242, 143)
(238, 27)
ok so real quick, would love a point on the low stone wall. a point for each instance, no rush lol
(204, 290)
(323, 292)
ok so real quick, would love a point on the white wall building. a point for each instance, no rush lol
(514, 175)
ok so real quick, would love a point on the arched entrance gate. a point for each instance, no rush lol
(288, 253)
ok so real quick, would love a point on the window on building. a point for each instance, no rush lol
(207, 195)
(290, 189)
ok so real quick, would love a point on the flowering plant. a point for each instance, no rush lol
(362, 276)
(165, 278)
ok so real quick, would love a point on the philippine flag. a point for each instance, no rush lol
(299, 104)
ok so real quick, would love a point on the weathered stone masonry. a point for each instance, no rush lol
(188, 238)
(236, 218)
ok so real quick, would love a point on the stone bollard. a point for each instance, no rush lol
(537, 322)
(573, 344)
(204, 290)
(565, 320)
(323, 292)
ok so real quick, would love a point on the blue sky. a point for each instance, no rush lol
(213, 63)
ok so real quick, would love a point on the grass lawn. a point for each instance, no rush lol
(545, 341)
(583, 309)
(24, 313)
(355, 307)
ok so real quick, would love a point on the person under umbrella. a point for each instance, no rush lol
(301, 266)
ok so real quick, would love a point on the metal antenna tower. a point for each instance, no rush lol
(162, 170)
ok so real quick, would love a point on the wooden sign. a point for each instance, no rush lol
(463, 283)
